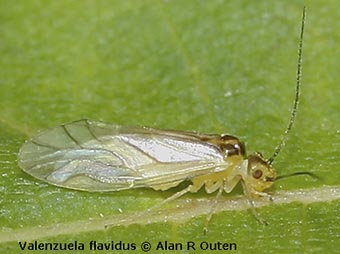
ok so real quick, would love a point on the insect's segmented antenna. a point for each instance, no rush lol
(298, 173)
(297, 92)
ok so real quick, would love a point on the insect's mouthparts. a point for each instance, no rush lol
(295, 174)
(270, 179)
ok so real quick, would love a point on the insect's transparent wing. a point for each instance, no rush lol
(95, 156)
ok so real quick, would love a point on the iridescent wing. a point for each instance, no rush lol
(95, 156)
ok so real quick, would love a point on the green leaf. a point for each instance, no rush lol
(208, 66)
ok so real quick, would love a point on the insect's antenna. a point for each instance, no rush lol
(297, 92)
(298, 173)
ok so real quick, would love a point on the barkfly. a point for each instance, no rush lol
(98, 157)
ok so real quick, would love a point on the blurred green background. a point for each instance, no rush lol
(209, 66)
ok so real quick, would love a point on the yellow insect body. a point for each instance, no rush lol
(94, 156)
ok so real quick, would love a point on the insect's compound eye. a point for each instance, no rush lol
(257, 173)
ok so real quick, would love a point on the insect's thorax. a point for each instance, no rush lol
(228, 145)
(253, 170)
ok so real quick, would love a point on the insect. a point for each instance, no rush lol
(95, 156)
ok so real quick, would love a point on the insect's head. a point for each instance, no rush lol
(261, 174)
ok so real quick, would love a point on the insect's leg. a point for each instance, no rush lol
(190, 188)
(263, 194)
(230, 183)
(227, 186)
(213, 209)
(251, 203)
